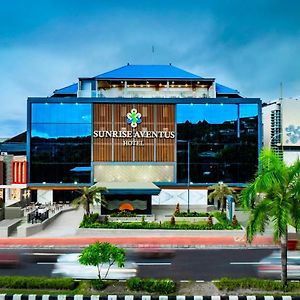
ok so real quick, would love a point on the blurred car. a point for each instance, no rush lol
(9, 259)
(270, 266)
(154, 251)
(67, 265)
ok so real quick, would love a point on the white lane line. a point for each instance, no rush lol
(153, 264)
(45, 263)
(42, 254)
(200, 281)
(247, 263)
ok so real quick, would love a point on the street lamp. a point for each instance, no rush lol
(188, 171)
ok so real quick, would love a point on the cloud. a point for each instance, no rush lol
(251, 46)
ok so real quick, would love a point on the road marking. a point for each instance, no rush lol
(45, 263)
(43, 254)
(247, 263)
(200, 281)
(153, 264)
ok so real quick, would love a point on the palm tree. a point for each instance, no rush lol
(220, 191)
(274, 197)
(89, 195)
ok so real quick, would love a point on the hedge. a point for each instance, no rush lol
(164, 225)
(190, 214)
(253, 283)
(124, 213)
(159, 286)
(31, 282)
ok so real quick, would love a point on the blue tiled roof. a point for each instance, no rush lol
(148, 72)
(70, 89)
(222, 89)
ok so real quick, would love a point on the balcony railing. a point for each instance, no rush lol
(114, 93)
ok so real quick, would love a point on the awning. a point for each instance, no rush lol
(132, 188)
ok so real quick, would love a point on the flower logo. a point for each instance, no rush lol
(134, 118)
(293, 134)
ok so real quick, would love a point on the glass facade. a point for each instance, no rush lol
(60, 146)
(222, 141)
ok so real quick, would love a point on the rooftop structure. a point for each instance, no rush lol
(147, 81)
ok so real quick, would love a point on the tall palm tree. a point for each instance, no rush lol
(89, 195)
(220, 191)
(274, 197)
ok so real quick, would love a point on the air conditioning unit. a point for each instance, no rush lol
(3, 153)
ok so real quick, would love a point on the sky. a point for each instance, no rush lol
(45, 45)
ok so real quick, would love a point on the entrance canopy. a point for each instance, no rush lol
(132, 188)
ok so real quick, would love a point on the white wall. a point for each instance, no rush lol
(290, 115)
(45, 196)
(290, 157)
(172, 197)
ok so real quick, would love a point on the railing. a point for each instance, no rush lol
(35, 216)
(151, 94)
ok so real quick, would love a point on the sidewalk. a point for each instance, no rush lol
(64, 232)
(166, 241)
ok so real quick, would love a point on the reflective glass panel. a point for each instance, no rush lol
(60, 145)
(223, 142)
(60, 113)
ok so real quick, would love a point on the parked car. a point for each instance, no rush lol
(67, 265)
(270, 266)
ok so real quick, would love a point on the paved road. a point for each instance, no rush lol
(185, 264)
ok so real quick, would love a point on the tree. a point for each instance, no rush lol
(98, 254)
(273, 196)
(89, 195)
(220, 191)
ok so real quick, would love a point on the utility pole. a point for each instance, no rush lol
(188, 209)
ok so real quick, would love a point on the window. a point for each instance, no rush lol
(60, 146)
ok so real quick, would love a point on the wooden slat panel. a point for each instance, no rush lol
(146, 152)
(165, 148)
(109, 117)
(122, 153)
(102, 147)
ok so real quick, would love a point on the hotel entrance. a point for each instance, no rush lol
(134, 197)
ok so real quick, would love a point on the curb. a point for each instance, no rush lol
(146, 297)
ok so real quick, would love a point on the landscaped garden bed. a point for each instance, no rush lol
(208, 223)
(125, 216)
(136, 286)
(256, 286)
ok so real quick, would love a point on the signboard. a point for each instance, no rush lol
(230, 207)
(134, 132)
(134, 137)
(290, 122)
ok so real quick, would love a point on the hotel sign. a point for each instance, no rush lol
(134, 137)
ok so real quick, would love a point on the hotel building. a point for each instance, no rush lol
(150, 134)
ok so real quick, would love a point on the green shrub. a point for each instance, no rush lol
(164, 225)
(143, 220)
(22, 282)
(190, 214)
(172, 221)
(123, 213)
(159, 286)
(88, 220)
(98, 284)
(253, 283)
(222, 218)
